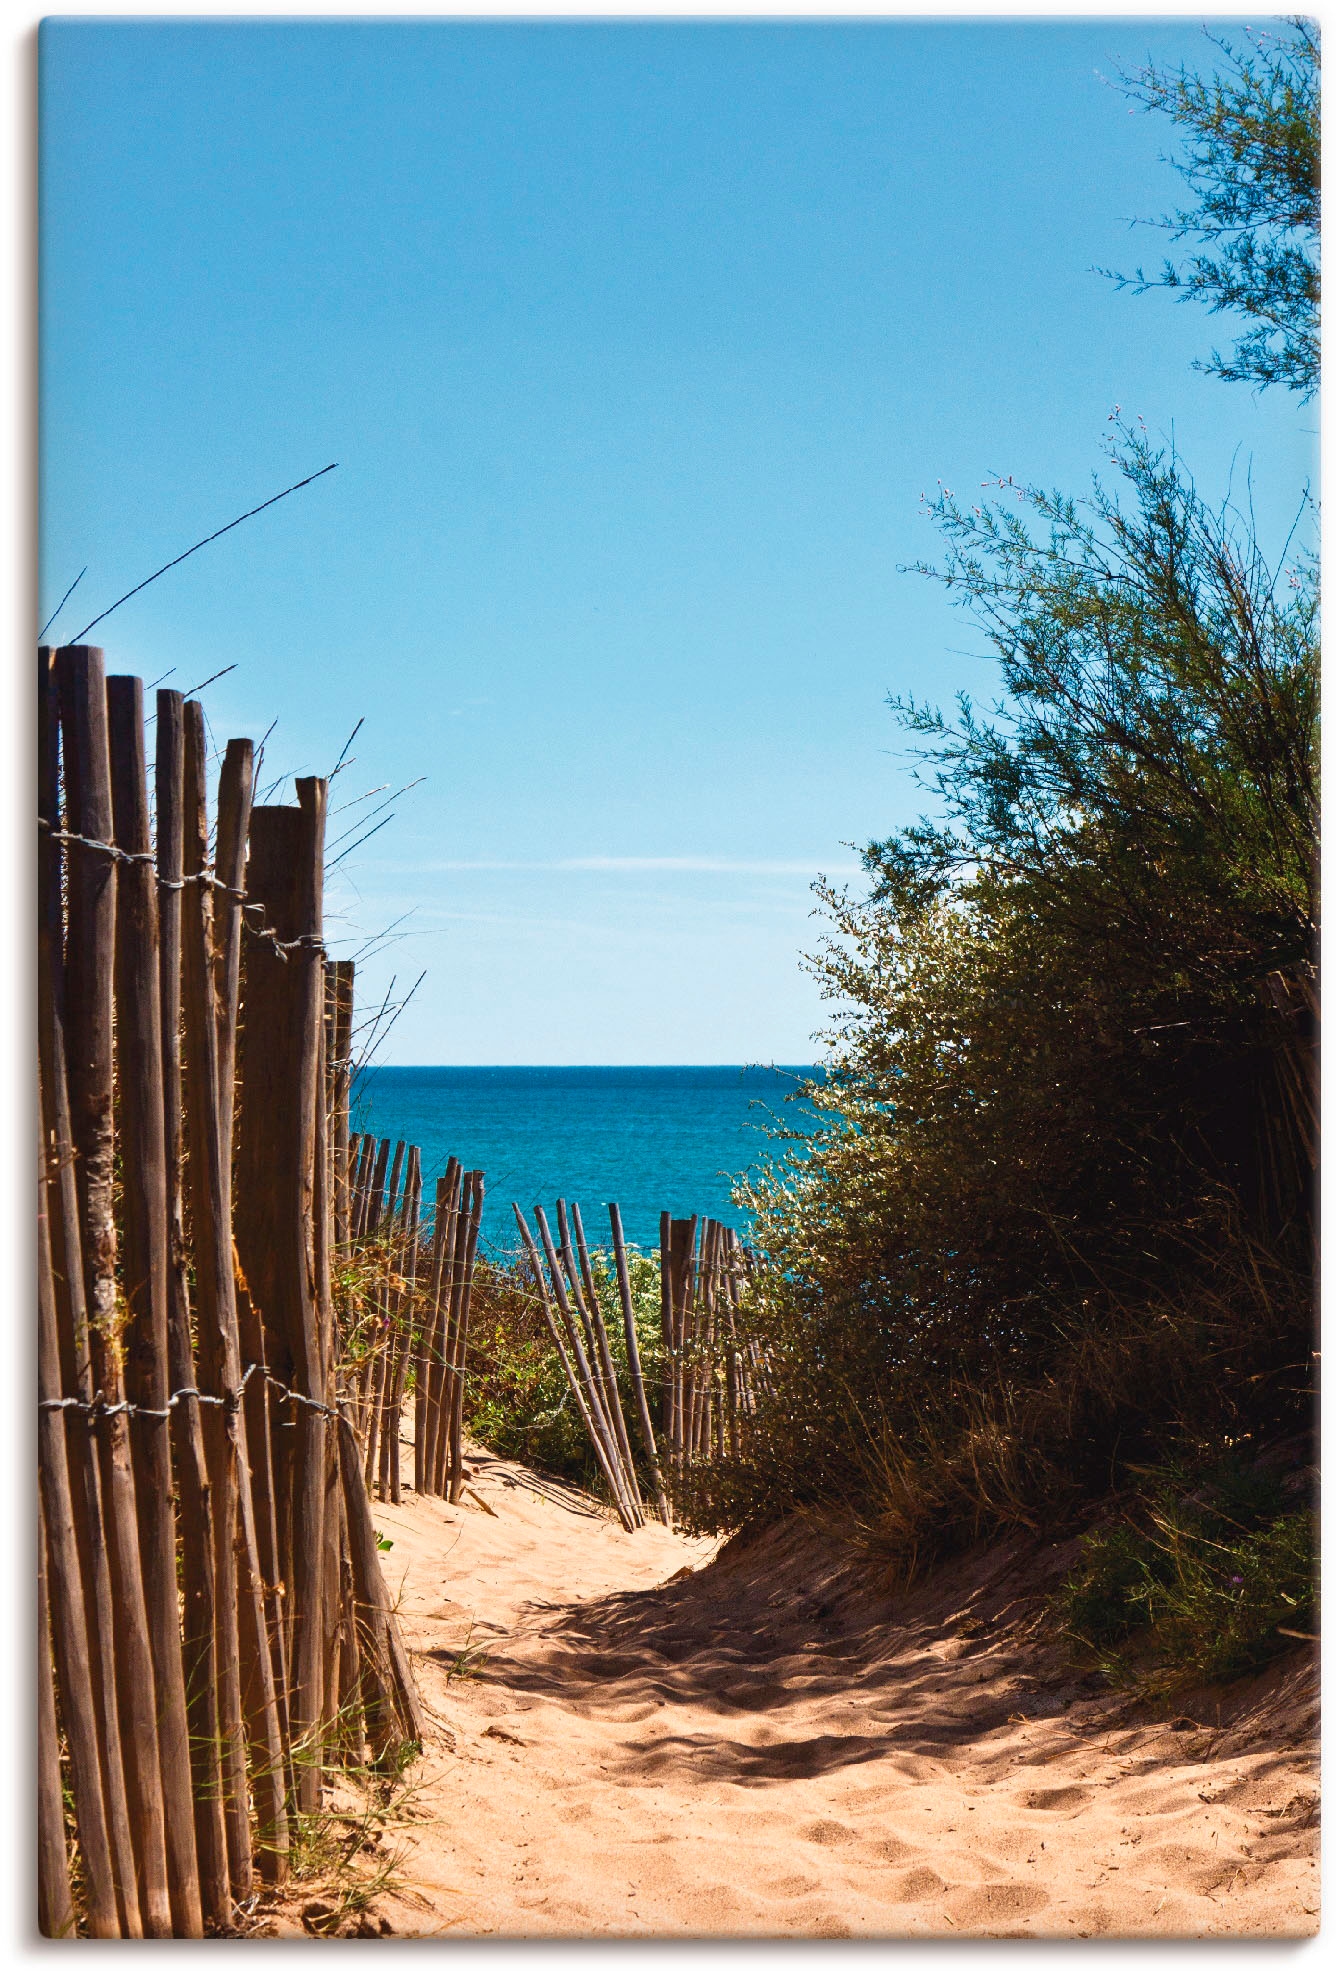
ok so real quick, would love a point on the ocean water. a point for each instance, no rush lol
(650, 1139)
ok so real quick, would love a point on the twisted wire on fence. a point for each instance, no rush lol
(217, 1631)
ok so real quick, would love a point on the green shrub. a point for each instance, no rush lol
(1197, 1581)
(1058, 1213)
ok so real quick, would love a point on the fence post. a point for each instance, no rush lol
(144, 1274)
(197, 1538)
(75, 1360)
(219, 1352)
(90, 947)
(633, 1363)
(275, 1200)
(341, 1080)
(55, 1905)
(69, 1629)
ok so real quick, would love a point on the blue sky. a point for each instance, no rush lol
(637, 345)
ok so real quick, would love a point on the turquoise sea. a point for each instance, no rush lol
(652, 1139)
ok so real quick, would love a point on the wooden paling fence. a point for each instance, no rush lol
(216, 1629)
(414, 1322)
(711, 1370)
(579, 1333)
(706, 1396)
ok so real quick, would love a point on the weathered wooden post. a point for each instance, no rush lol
(199, 1594)
(209, 1173)
(275, 1229)
(461, 1342)
(90, 949)
(69, 1627)
(71, 1315)
(144, 1274)
(633, 1362)
(444, 1245)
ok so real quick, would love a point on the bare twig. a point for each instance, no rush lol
(343, 759)
(168, 565)
(358, 843)
(406, 789)
(61, 604)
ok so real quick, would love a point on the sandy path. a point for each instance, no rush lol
(761, 1747)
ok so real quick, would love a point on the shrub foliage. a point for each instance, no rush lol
(1059, 1211)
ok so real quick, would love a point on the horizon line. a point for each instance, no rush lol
(743, 1065)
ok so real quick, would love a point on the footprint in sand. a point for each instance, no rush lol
(827, 1926)
(716, 1901)
(1057, 1799)
(997, 1902)
(1150, 1801)
(1013, 1843)
(917, 1885)
(828, 1833)
(793, 1886)
(1176, 1856)
(890, 1849)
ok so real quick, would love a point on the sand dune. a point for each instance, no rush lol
(631, 1737)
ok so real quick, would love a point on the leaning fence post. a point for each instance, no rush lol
(612, 1395)
(633, 1362)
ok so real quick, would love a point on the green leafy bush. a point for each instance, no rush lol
(1059, 1212)
(1201, 1581)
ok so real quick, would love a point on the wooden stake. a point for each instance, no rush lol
(668, 1414)
(199, 1611)
(461, 1343)
(378, 1442)
(376, 1199)
(256, 1660)
(576, 1378)
(633, 1363)
(404, 1337)
(68, 1621)
(428, 1344)
(613, 1394)
(456, 1263)
(341, 1076)
(447, 1224)
(89, 1038)
(601, 1432)
(209, 1175)
(393, 1715)
(144, 1276)
(55, 1905)
(275, 1232)
(76, 1371)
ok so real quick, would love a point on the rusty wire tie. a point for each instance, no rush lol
(231, 1400)
(307, 942)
